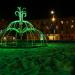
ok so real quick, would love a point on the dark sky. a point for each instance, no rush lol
(37, 8)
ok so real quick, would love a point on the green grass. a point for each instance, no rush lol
(54, 59)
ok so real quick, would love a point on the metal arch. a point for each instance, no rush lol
(28, 29)
(44, 37)
(34, 29)
(13, 29)
(17, 21)
(28, 23)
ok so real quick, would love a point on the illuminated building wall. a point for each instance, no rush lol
(61, 29)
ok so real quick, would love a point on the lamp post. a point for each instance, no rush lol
(53, 20)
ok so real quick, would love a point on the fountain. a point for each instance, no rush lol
(21, 33)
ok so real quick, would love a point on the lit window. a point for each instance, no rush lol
(72, 26)
(72, 21)
(56, 27)
(62, 22)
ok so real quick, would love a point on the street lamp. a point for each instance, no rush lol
(52, 12)
(53, 16)
(53, 20)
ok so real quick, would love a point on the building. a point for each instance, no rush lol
(61, 29)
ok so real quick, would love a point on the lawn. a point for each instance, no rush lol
(53, 59)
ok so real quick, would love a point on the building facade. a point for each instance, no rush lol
(61, 29)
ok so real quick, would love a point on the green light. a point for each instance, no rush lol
(21, 13)
(23, 31)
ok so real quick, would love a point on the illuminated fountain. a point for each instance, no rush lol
(21, 33)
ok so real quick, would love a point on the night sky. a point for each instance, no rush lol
(37, 9)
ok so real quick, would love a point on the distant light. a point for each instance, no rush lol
(41, 37)
(72, 26)
(52, 12)
(53, 19)
(51, 37)
(54, 30)
(72, 21)
(4, 38)
(13, 38)
(56, 27)
(62, 22)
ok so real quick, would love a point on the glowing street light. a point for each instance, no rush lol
(53, 19)
(52, 12)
